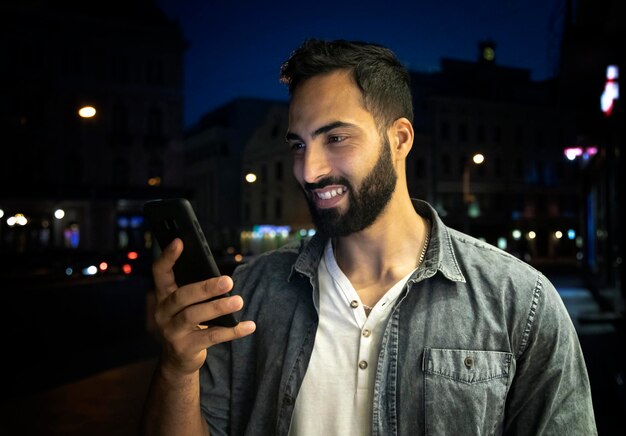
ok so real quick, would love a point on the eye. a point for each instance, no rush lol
(296, 146)
(336, 138)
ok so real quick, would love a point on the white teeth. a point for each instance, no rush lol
(330, 194)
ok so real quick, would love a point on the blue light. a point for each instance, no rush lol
(136, 221)
(571, 234)
(69, 271)
(268, 229)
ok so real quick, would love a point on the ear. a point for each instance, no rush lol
(401, 137)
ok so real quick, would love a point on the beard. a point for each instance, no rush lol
(365, 205)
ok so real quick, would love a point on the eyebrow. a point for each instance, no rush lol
(319, 131)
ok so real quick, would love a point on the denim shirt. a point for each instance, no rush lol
(479, 343)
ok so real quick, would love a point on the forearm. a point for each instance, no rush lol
(173, 406)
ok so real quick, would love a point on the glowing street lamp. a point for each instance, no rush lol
(250, 177)
(87, 112)
(468, 197)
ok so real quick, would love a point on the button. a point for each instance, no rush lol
(469, 361)
(367, 333)
(354, 304)
(363, 364)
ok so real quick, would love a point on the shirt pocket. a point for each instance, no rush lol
(464, 390)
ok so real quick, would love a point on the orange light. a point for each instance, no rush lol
(238, 257)
(103, 266)
(132, 255)
(127, 268)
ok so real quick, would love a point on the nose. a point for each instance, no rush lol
(315, 164)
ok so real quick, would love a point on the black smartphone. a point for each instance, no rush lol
(173, 218)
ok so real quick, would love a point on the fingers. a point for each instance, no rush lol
(162, 269)
(184, 301)
(189, 316)
(187, 354)
(206, 338)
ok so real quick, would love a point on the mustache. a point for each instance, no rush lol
(327, 182)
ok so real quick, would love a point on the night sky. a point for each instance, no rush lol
(236, 47)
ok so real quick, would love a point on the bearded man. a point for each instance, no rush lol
(386, 322)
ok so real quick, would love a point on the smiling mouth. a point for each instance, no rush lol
(328, 196)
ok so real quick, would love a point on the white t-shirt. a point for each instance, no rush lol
(337, 392)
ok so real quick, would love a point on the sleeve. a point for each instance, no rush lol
(550, 393)
(215, 389)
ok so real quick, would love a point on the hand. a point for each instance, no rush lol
(178, 314)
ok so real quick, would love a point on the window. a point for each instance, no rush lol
(498, 166)
(462, 130)
(120, 118)
(155, 121)
(121, 172)
(519, 135)
(154, 72)
(278, 208)
(278, 171)
(119, 69)
(497, 134)
(480, 133)
(445, 131)
(445, 164)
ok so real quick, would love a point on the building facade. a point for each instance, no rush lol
(593, 62)
(488, 156)
(77, 181)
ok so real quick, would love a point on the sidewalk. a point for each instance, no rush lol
(106, 404)
(603, 346)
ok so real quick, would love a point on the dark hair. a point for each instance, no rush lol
(384, 82)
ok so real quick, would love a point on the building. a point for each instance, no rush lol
(519, 193)
(73, 181)
(275, 210)
(216, 168)
(593, 57)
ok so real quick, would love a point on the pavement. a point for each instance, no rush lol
(100, 389)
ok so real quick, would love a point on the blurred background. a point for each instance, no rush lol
(107, 104)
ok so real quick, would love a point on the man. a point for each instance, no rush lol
(386, 322)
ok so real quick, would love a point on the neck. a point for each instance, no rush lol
(387, 250)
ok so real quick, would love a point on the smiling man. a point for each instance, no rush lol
(386, 322)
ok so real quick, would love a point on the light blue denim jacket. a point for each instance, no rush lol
(479, 343)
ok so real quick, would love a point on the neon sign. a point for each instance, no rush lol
(611, 90)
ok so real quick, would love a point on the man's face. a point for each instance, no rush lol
(340, 160)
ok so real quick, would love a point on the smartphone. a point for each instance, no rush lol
(173, 218)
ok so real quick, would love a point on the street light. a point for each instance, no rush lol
(87, 112)
(468, 197)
